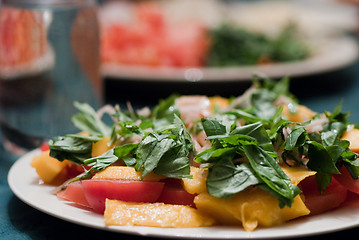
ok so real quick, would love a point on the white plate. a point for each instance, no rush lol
(328, 55)
(25, 184)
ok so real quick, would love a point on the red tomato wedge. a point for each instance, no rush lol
(347, 181)
(174, 193)
(329, 199)
(74, 193)
(96, 192)
(44, 147)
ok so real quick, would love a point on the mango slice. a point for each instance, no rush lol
(250, 208)
(154, 215)
(125, 173)
(101, 147)
(48, 168)
(218, 102)
(297, 174)
(353, 137)
(196, 184)
(301, 115)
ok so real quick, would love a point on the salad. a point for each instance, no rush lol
(148, 33)
(256, 160)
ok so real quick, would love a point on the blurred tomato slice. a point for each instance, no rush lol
(174, 193)
(347, 181)
(329, 199)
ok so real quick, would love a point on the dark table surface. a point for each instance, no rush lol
(19, 221)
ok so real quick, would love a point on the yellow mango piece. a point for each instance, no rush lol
(252, 207)
(48, 168)
(353, 137)
(301, 115)
(125, 173)
(297, 174)
(154, 215)
(101, 147)
(218, 102)
(196, 184)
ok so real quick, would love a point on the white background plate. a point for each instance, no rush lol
(329, 55)
(24, 182)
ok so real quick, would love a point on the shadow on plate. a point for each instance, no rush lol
(146, 93)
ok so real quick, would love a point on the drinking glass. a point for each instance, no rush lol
(49, 58)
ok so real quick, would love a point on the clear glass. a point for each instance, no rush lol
(49, 58)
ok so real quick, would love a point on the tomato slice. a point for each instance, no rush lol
(174, 193)
(74, 193)
(44, 147)
(329, 199)
(96, 192)
(347, 181)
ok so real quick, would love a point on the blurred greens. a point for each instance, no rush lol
(233, 46)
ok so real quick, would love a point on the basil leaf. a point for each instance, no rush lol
(101, 162)
(244, 115)
(323, 180)
(320, 160)
(332, 132)
(166, 109)
(269, 172)
(295, 139)
(76, 149)
(257, 131)
(225, 179)
(175, 168)
(262, 101)
(150, 150)
(214, 155)
(283, 201)
(88, 121)
(165, 150)
(213, 127)
(125, 150)
(353, 168)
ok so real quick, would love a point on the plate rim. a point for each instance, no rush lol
(285, 230)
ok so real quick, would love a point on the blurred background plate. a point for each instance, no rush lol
(328, 55)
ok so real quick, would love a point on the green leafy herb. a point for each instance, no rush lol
(270, 173)
(226, 179)
(88, 121)
(233, 46)
(74, 148)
